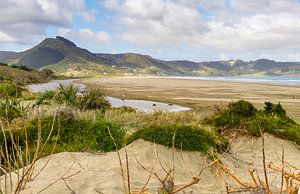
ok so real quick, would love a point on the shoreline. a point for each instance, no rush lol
(201, 95)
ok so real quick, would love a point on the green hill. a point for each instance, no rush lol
(65, 58)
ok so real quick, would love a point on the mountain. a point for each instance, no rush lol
(65, 57)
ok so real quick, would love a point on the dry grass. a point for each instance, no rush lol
(290, 177)
(167, 181)
(17, 163)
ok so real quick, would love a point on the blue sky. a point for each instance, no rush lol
(195, 30)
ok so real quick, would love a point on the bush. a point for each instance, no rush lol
(11, 109)
(78, 134)
(262, 123)
(274, 109)
(70, 95)
(48, 72)
(93, 100)
(272, 119)
(64, 94)
(8, 89)
(224, 119)
(293, 134)
(45, 97)
(3, 64)
(242, 108)
(104, 141)
(186, 137)
(22, 67)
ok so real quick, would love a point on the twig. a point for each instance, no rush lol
(127, 167)
(61, 177)
(282, 171)
(264, 161)
(173, 156)
(149, 177)
(120, 160)
(194, 181)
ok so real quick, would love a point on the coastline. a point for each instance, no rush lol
(201, 95)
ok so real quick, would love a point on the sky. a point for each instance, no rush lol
(197, 30)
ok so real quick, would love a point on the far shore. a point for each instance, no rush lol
(200, 94)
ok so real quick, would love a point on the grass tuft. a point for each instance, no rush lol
(190, 138)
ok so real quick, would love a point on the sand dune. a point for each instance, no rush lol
(94, 173)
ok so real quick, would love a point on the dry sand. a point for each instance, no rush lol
(101, 173)
(199, 94)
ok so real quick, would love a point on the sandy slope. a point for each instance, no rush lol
(101, 172)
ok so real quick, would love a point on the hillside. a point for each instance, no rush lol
(21, 76)
(64, 57)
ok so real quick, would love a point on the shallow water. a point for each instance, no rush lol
(140, 105)
(262, 79)
(53, 85)
(145, 105)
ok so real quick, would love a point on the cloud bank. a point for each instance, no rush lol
(218, 29)
(23, 21)
(235, 25)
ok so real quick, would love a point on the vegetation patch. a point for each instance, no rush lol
(9, 89)
(70, 95)
(67, 133)
(22, 75)
(11, 109)
(73, 134)
(271, 119)
(186, 137)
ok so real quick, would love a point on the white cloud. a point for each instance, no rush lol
(148, 22)
(6, 37)
(226, 26)
(27, 20)
(86, 34)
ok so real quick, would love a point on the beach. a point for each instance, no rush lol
(201, 95)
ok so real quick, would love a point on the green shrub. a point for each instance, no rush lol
(48, 72)
(272, 119)
(78, 134)
(93, 100)
(262, 123)
(69, 95)
(274, 109)
(293, 134)
(64, 94)
(224, 118)
(242, 108)
(186, 137)
(8, 89)
(104, 141)
(45, 97)
(11, 109)
(22, 67)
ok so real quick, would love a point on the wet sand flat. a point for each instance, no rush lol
(202, 95)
